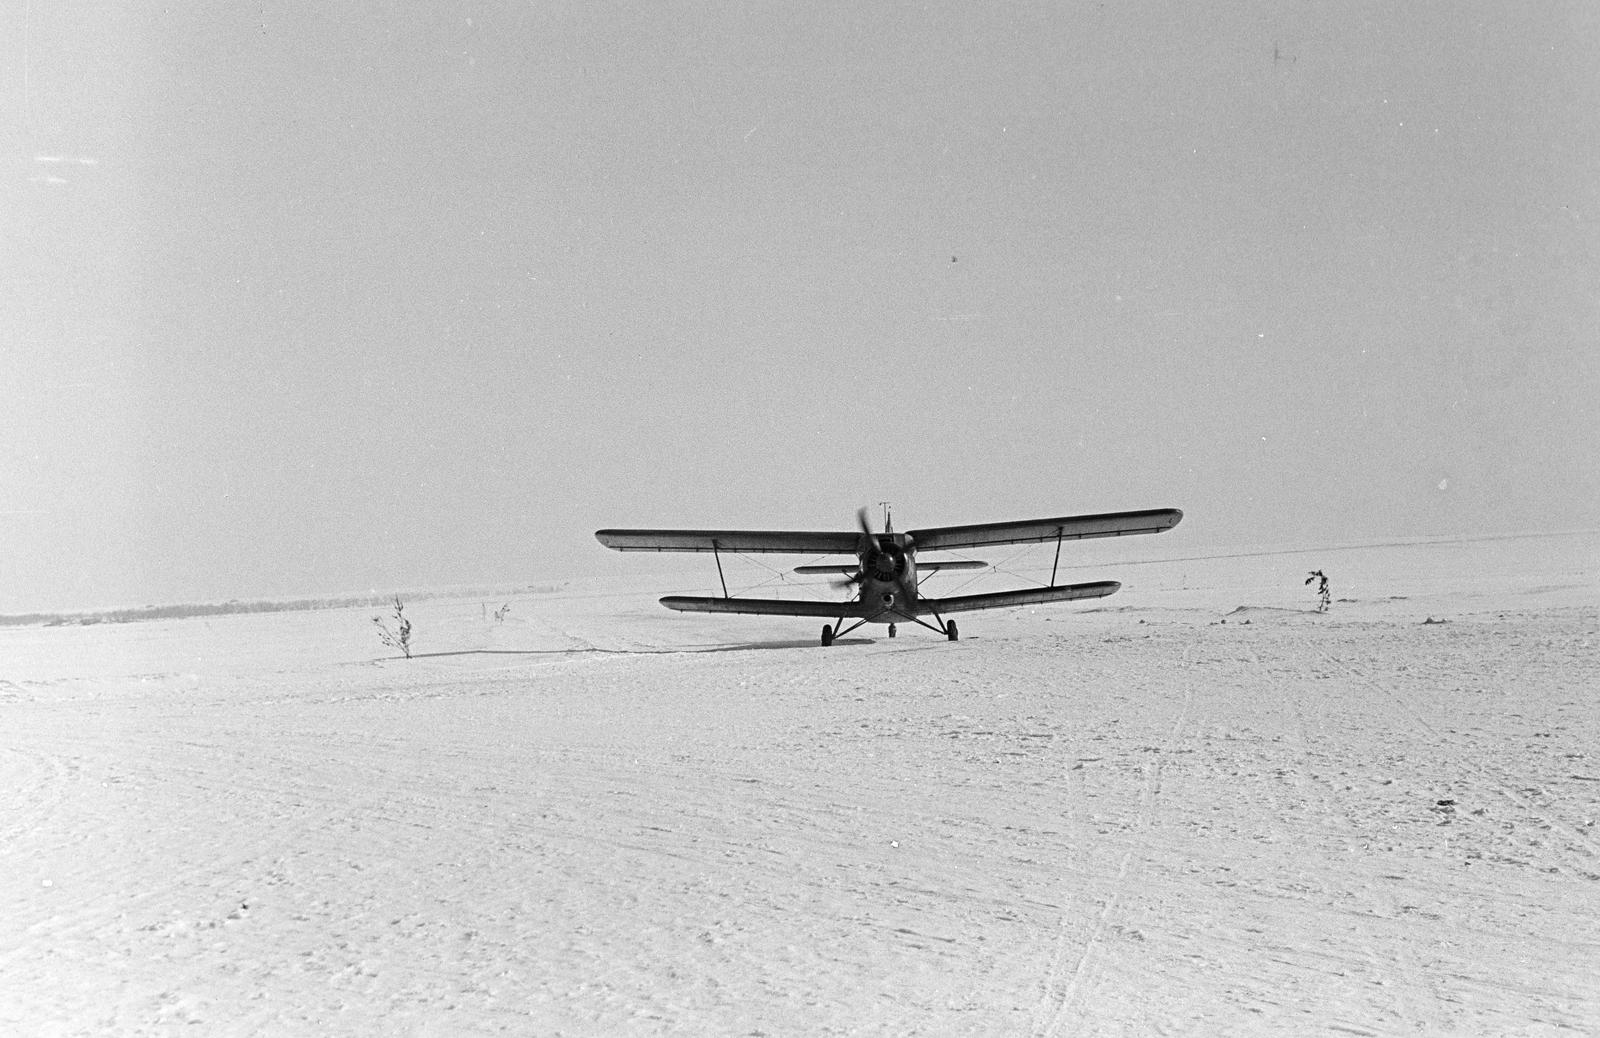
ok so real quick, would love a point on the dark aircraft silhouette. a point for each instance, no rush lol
(886, 569)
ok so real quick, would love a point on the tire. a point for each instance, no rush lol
(827, 635)
(950, 631)
(891, 630)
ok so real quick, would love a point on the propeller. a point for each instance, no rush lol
(868, 540)
(866, 547)
(882, 562)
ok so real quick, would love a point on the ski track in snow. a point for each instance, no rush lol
(594, 819)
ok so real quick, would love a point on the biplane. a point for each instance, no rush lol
(886, 569)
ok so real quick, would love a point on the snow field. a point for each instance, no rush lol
(601, 818)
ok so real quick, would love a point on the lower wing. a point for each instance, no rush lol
(1028, 596)
(771, 606)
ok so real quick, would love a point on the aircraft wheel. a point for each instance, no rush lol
(950, 631)
(891, 630)
(827, 635)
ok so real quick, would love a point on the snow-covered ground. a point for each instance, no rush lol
(1195, 807)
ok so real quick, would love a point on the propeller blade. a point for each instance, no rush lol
(868, 538)
(907, 591)
(866, 544)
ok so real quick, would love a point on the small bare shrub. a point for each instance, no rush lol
(1324, 596)
(398, 636)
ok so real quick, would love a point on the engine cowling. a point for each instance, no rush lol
(885, 564)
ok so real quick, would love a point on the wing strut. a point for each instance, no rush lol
(943, 628)
(1059, 531)
(718, 556)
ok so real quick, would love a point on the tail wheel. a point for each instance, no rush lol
(827, 635)
(891, 630)
(950, 631)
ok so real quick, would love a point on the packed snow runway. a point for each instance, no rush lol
(1200, 807)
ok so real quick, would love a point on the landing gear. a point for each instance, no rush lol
(950, 631)
(891, 630)
(827, 635)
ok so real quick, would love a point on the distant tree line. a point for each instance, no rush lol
(171, 612)
(181, 611)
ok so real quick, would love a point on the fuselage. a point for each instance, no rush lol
(889, 579)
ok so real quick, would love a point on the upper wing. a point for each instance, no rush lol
(782, 541)
(1068, 528)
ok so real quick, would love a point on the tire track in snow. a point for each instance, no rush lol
(1070, 975)
(1417, 1000)
(121, 895)
(36, 780)
(1492, 776)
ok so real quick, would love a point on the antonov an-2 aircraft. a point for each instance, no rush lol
(886, 567)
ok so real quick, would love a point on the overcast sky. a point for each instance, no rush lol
(299, 300)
